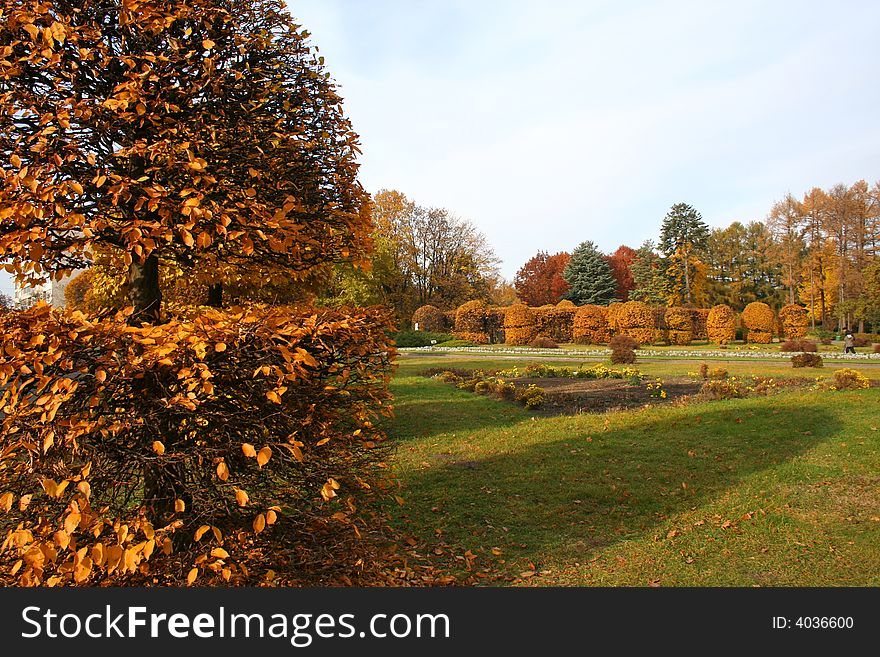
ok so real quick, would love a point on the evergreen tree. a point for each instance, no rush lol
(683, 235)
(649, 277)
(589, 277)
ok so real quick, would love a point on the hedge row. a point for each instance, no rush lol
(565, 322)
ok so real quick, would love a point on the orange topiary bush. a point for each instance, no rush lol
(591, 325)
(197, 450)
(520, 325)
(557, 322)
(679, 326)
(699, 319)
(759, 319)
(612, 315)
(431, 319)
(721, 324)
(795, 320)
(636, 319)
(470, 322)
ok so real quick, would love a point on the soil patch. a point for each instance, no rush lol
(564, 396)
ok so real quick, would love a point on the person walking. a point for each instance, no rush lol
(849, 343)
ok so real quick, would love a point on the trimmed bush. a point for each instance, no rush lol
(794, 320)
(760, 320)
(721, 325)
(612, 316)
(679, 325)
(520, 325)
(431, 319)
(470, 322)
(591, 325)
(623, 356)
(495, 324)
(636, 320)
(557, 322)
(623, 342)
(699, 319)
(806, 360)
(799, 345)
(877, 348)
(255, 423)
(543, 342)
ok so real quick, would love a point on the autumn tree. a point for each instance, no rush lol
(190, 132)
(785, 222)
(204, 135)
(539, 281)
(683, 235)
(422, 256)
(589, 277)
(621, 268)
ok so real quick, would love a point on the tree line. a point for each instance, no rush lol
(820, 250)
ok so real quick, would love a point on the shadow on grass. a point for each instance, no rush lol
(423, 407)
(560, 495)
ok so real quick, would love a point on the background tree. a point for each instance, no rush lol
(786, 223)
(540, 281)
(621, 262)
(649, 276)
(683, 235)
(589, 277)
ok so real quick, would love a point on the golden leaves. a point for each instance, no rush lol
(248, 450)
(328, 490)
(259, 523)
(191, 576)
(179, 506)
(201, 531)
(158, 447)
(207, 44)
(263, 456)
(6, 501)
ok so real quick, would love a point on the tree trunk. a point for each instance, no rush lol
(144, 292)
(215, 295)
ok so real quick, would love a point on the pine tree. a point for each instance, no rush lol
(589, 276)
(649, 276)
(683, 234)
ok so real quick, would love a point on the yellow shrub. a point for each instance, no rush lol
(721, 324)
(431, 319)
(679, 325)
(636, 319)
(470, 322)
(794, 319)
(760, 320)
(591, 325)
(520, 325)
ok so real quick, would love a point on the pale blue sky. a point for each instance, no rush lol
(550, 122)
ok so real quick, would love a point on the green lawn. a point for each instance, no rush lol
(781, 490)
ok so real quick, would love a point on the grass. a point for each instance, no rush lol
(770, 491)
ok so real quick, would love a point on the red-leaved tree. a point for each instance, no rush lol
(539, 281)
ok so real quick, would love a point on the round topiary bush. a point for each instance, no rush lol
(591, 325)
(721, 324)
(520, 325)
(430, 318)
(636, 319)
(470, 322)
(795, 320)
(679, 325)
(759, 319)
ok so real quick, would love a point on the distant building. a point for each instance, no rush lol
(52, 292)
